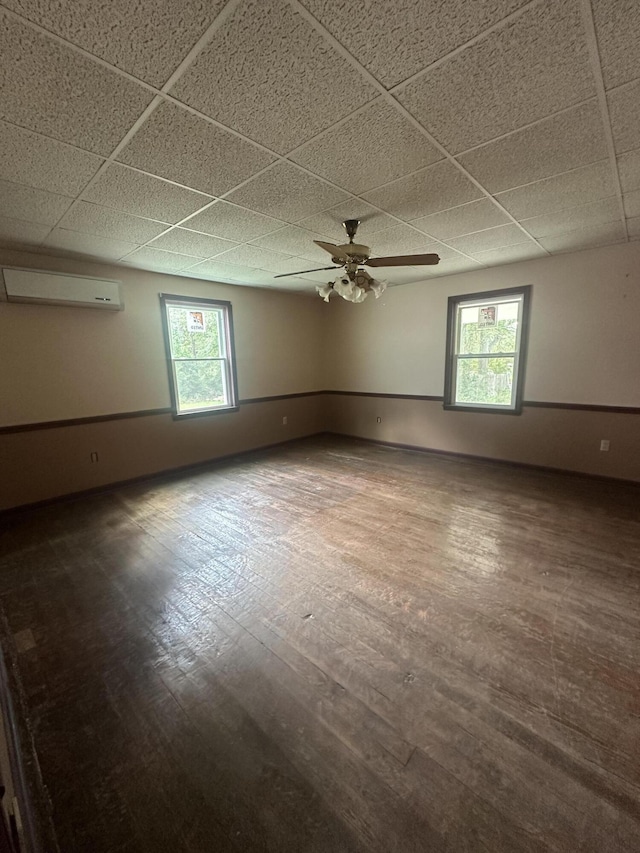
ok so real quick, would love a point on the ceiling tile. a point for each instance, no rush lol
(88, 244)
(329, 222)
(557, 144)
(181, 147)
(20, 202)
(624, 111)
(436, 188)
(585, 238)
(395, 276)
(618, 31)
(535, 66)
(633, 227)
(395, 40)
(192, 243)
(629, 170)
(293, 84)
(491, 238)
(286, 192)
(632, 204)
(142, 195)
(452, 266)
(509, 254)
(474, 216)
(580, 186)
(44, 163)
(232, 222)
(156, 259)
(112, 224)
(599, 213)
(219, 271)
(55, 91)
(375, 147)
(17, 231)
(295, 265)
(147, 39)
(252, 256)
(400, 240)
(294, 241)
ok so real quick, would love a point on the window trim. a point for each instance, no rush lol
(520, 358)
(168, 299)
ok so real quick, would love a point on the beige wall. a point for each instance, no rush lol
(584, 347)
(584, 341)
(60, 363)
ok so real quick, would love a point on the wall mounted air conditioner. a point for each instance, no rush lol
(52, 288)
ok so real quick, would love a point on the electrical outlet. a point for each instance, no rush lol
(378, 420)
(604, 444)
(94, 456)
(284, 421)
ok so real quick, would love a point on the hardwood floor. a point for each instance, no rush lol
(334, 646)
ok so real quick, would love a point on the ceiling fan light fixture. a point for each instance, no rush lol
(325, 290)
(377, 287)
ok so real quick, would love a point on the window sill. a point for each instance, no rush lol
(492, 410)
(182, 416)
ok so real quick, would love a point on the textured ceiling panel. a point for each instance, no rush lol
(436, 188)
(183, 148)
(293, 84)
(252, 256)
(294, 241)
(88, 244)
(451, 266)
(192, 243)
(147, 38)
(549, 224)
(109, 223)
(491, 238)
(395, 40)
(44, 163)
(584, 238)
(329, 222)
(580, 186)
(509, 254)
(132, 192)
(402, 240)
(53, 90)
(218, 271)
(156, 259)
(401, 275)
(474, 216)
(633, 227)
(624, 110)
(38, 206)
(232, 222)
(618, 32)
(378, 146)
(521, 73)
(557, 144)
(629, 170)
(632, 204)
(21, 232)
(286, 193)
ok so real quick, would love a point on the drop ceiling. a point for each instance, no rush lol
(218, 140)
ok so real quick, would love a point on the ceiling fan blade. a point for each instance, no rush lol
(302, 272)
(403, 261)
(334, 251)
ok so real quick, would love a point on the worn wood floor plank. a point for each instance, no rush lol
(334, 647)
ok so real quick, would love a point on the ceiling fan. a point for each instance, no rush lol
(355, 283)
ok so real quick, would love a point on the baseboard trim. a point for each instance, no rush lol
(471, 457)
(164, 474)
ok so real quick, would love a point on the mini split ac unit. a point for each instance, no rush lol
(52, 288)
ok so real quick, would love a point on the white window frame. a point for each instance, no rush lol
(227, 359)
(521, 295)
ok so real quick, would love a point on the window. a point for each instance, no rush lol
(486, 350)
(199, 342)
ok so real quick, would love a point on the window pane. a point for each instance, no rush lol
(484, 380)
(195, 332)
(201, 384)
(488, 328)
